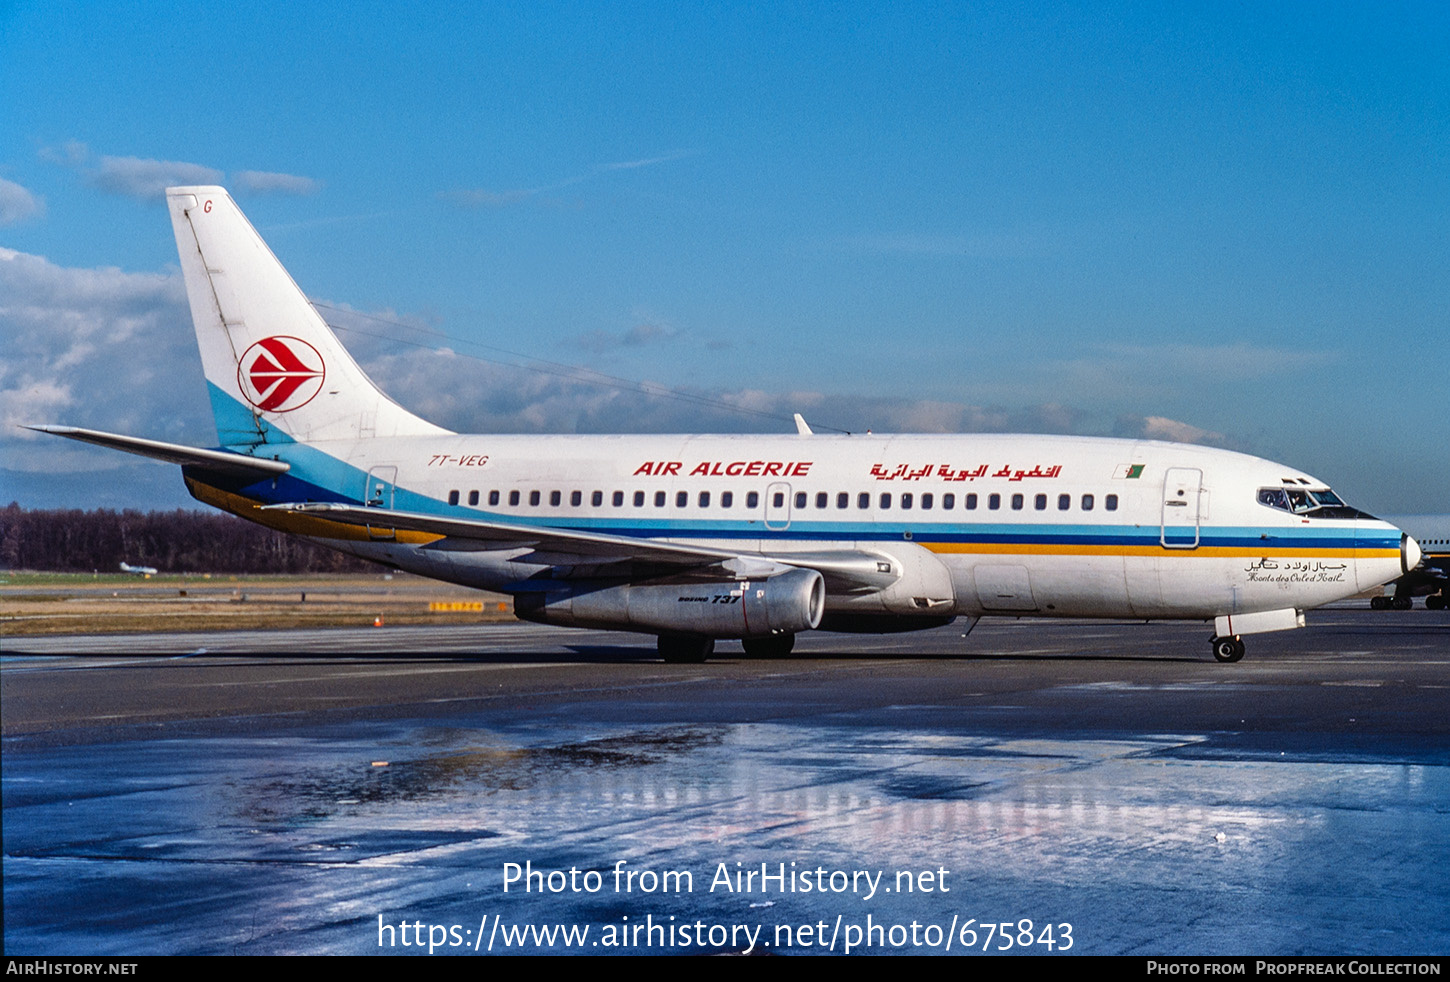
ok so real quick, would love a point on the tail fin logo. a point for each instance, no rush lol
(280, 374)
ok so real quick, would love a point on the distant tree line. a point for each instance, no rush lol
(173, 541)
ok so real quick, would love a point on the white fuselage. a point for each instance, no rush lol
(979, 524)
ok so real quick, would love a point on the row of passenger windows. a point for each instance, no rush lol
(823, 500)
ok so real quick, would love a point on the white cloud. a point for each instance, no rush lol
(139, 177)
(101, 348)
(115, 350)
(1163, 428)
(265, 182)
(148, 179)
(18, 204)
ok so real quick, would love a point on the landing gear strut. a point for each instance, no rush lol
(685, 648)
(1228, 649)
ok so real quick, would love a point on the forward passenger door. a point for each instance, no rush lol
(1181, 489)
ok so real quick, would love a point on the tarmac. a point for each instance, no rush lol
(1047, 787)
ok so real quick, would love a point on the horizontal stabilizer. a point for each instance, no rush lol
(218, 461)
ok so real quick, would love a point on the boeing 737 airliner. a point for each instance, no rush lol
(757, 538)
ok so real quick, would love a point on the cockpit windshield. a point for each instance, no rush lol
(1309, 502)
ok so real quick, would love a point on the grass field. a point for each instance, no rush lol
(112, 603)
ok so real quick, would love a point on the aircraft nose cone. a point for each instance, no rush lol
(1409, 553)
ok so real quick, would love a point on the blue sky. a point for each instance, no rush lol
(1221, 223)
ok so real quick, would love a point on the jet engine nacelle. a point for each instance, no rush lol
(784, 603)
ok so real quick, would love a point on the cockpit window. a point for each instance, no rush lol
(1320, 503)
(1274, 498)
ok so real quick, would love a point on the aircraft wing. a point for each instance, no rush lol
(843, 569)
(221, 461)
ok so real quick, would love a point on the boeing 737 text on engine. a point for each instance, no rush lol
(757, 538)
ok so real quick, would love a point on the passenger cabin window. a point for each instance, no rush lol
(704, 499)
(971, 502)
(1111, 502)
(863, 500)
(727, 498)
(1016, 502)
(618, 499)
(1087, 502)
(513, 497)
(473, 497)
(906, 500)
(752, 499)
(843, 500)
(800, 499)
(639, 499)
(885, 501)
(682, 498)
(533, 497)
(453, 497)
(659, 499)
(576, 498)
(1040, 502)
(493, 497)
(994, 501)
(1064, 502)
(926, 501)
(948, 501)
(555, 497)
(597, 498)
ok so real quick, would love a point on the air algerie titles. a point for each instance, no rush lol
(733, 468)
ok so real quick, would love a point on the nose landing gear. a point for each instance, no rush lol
(1229, 649)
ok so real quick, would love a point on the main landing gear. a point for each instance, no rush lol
(1228, 649)
(775, 646)
(685, 648)
(693, 648)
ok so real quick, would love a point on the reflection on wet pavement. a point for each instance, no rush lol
(299, 840)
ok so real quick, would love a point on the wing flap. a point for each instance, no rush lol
(845, 570)
(557, 543)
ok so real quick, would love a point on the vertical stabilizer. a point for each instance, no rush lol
(274, 369)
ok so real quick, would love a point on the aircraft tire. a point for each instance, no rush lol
(685, 649)
(1402, 603)
(1378, 603)
(1228, 649)
(1435, 601)
(775, 646)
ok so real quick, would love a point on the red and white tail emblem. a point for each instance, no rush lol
(280, 374)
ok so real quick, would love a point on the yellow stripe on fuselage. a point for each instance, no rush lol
(298, 524)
